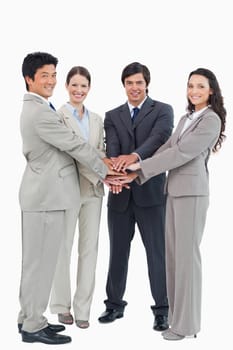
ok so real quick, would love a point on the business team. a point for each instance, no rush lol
(50, 188)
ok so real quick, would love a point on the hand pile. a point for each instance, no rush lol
(118, 178)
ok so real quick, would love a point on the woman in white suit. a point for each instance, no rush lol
(185, 155)
(89, 125)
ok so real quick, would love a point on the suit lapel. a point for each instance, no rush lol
(70, 121)
(192, 125)
(176, 135)
(93, 127)
(146, 108)
(126, 118)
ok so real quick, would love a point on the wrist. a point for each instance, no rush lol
(136, 157)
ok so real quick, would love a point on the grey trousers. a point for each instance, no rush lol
(185, 221)
(41, 237)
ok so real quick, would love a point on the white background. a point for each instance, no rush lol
(171, 38)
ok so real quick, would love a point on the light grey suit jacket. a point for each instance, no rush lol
(50, 180)
(89, 182)
(185, 156)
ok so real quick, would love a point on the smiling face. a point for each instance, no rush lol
(198, 91)
(78, 89)
(44, 81)
(135, 87)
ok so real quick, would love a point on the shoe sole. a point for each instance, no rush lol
(119, 316)
(28, 340)
(160, 329)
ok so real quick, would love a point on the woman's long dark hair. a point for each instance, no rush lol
(215, 100)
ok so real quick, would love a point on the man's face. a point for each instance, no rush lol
(44, 81)
(135, 87)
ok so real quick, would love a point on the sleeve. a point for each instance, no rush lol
(202, 137)
(159, 133)
(52, 130)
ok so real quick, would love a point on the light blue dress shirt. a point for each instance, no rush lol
(83, 122)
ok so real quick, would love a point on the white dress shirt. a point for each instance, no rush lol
(190, 118)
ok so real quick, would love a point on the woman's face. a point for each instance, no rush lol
(198, 91)
(78, 89)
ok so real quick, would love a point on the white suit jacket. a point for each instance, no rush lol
(89, 182)
(50, 180)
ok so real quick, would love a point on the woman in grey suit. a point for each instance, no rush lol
(185, 155)
(89, 126)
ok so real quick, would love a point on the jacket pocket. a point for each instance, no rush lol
(188, 170)
(68, 169)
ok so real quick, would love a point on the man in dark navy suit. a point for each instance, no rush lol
(135, 130)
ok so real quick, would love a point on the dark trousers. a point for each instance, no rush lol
(121, 225)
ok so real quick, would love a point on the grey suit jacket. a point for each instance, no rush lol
(89, 182)
(50, 180)
(185, 157)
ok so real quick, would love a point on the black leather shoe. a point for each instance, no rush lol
(110, 315)
(45, 336)
(160, 323)
(56, 328)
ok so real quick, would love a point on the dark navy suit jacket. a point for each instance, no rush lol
(151, 129)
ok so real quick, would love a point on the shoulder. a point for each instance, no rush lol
(158, 104)
(211, 118)
(118, 109)
(62, 109)
(95, 116)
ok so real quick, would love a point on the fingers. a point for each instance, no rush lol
(121, 162)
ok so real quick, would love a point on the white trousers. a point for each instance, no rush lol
(88, 226)
(41, 237)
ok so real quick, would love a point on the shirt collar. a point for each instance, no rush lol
(139, 106)
(195, 115)
(41, 97)
(74, 111)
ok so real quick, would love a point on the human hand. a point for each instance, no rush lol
(124, 179)
(134, 167)
(108, 162)
(116, 189)
(113, 180)
(110, 165)
(121, 162)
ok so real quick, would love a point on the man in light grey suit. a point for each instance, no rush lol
(49, 187)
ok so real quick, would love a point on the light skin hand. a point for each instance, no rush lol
(121, 162)
(111, 171)
(111, 181)
(114, 185)
(108, 162)
(115, 189)
(125, 179)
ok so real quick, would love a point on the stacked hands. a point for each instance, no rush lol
(118, 177)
